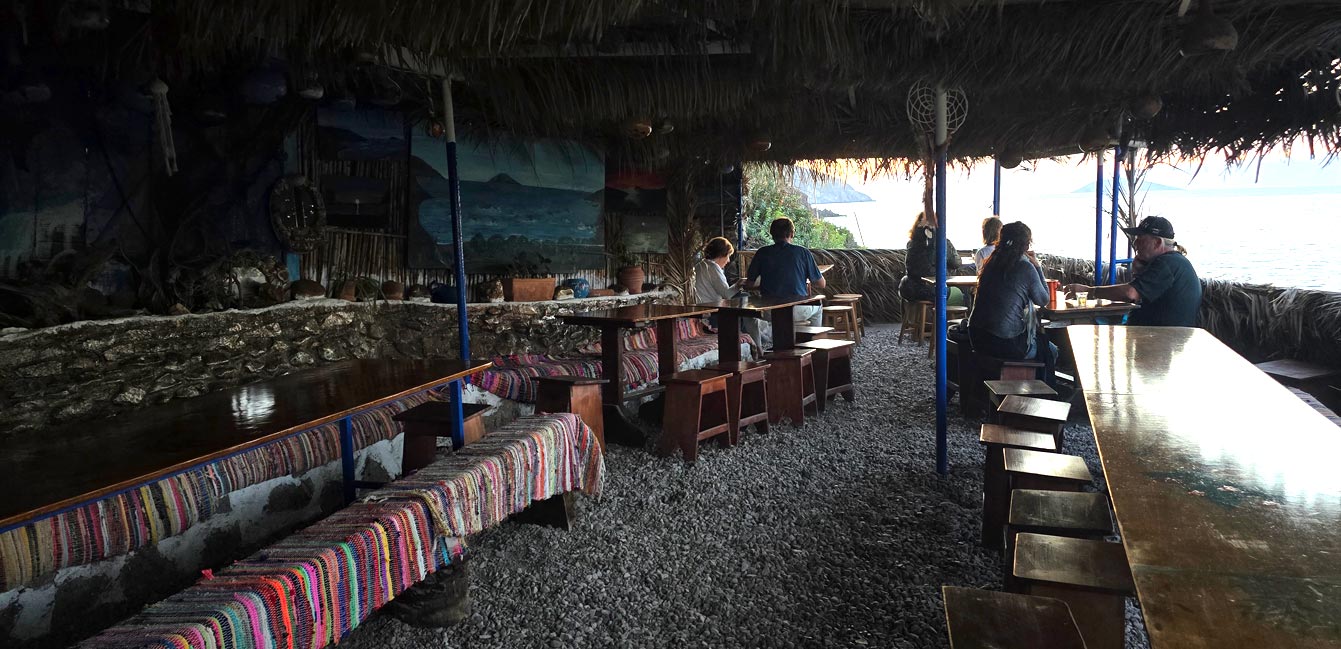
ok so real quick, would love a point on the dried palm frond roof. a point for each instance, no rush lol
(816, 79)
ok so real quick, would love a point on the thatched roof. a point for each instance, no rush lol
(816, 79)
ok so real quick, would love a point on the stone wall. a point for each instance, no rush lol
(103, 367)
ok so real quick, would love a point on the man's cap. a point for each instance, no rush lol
(1152, 225)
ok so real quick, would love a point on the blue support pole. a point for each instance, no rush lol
(1113, 227)
(1099, 221)
(996, 188)
(942, 378)
(458, 260)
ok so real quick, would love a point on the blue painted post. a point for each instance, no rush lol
(1099, 222)
(996, 188)
(942, 392)
(1113, 227)
(458, 259)
(347, 459)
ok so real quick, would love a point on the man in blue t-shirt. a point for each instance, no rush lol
(782, 270)
(1166, 286)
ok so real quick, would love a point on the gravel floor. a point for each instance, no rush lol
(838, 533)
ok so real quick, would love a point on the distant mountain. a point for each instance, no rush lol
(822, 190)
(1146, 186)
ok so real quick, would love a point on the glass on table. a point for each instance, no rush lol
(1082, 298)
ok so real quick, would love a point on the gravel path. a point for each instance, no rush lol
(835, 534)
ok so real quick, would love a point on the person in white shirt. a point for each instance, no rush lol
(991, 231)
(710, 283)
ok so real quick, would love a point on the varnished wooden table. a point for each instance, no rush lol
(779, 309)
(612, 323)
(1225, 486)
(66, 467)
(1070, 313)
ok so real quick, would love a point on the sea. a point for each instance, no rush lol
(1277, 222)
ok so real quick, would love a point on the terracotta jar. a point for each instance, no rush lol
(631, 278)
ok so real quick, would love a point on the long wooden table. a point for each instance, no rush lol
(1225, 486)
(1069, 311)
(612, 323)
(72, 465)
(779, 309)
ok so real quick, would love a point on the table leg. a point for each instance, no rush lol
(667, 360)
(728, 337)
(617, 427)
(784, 329)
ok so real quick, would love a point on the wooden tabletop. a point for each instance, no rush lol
(1297, 370)
(637, 314)
(1225, 488)
(956, 280)
(755, 306)
(1069, 309)
(58, 468)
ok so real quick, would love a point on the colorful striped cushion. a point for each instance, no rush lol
(314, 587)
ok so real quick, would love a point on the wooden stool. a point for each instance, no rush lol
(696, 409)
(579, 395)
(854, 299)
(998, 390)
(791, 384)
(746, 394)
(1092, 577)
(914, 320)
(1028, 469)
(995, 483)
(833, 369)
(975, 367)
(1031, 413)
(426, 422)
(1074, 514)
(843, 318)
(806, 333)
(986, 619)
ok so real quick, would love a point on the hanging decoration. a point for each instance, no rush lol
(921, 107)
(163, 121)
(1206, 32)
(1146, 106)
(298, 214)
(637, 129)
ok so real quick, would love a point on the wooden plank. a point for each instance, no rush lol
(636, 314)
(985, 619)
(1085, 563)
(1225, 489)
(1022, 387)
(1044, 409)
(77, 463)
(1052, 465)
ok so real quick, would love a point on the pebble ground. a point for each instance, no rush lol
(838, 533)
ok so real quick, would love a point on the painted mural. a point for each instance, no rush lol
(517, 198)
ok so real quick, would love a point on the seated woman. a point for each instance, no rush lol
(921, 260)
(710, 283)
(1004, 323)
(991, 229)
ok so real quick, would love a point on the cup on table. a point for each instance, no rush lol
(1081, 298)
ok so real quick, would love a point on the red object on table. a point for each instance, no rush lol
(1053, 286)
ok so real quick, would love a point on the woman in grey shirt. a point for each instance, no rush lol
(1003, 323)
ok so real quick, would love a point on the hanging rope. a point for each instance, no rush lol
(163, 120)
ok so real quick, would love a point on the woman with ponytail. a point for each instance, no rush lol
(1003, 323)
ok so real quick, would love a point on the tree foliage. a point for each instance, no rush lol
(770, 195)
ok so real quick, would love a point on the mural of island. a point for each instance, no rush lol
(364, 134)
(516, 197)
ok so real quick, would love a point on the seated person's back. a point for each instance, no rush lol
(782, 270)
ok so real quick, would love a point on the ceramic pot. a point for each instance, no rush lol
(631, 278)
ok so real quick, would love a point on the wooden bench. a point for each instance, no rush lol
(579, 395)
(996, 485)
(806, 333)
(1092, 577)
(252, 433)
(379, 547)
(1031, 413)
(984, 619)
(425, 423)
(833, 369)
(999, 389)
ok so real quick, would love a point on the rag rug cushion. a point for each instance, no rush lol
(143, 516)
(312, 588)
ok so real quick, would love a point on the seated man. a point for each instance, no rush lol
(1167, 286)
(782, 270)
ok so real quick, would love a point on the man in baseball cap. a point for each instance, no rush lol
(1167, 287)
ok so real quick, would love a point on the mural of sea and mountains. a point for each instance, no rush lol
(516, 198)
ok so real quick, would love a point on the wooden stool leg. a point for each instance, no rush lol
(995, 498)
(734, 396)
(677, 421)
(820, 370)
(754, 399)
